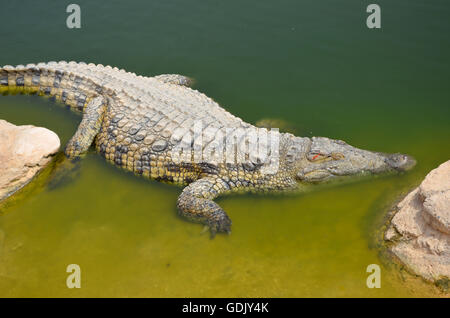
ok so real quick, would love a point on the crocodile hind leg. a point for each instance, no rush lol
(87, 130)
(196, 204)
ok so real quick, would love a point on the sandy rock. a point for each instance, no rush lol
(420, 228)
(24, 151)
(437, 212)
(438, 180)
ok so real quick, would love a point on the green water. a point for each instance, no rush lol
(312, 63)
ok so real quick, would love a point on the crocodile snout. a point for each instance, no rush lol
(400, 162)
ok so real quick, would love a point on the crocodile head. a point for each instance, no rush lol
(323, 159)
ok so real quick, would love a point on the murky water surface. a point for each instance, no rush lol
(311, 63)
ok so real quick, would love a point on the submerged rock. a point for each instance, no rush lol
(420, 228)
(24, 151)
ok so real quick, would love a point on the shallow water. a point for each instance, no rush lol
(315, 65)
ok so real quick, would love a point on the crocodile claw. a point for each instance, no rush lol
(220, 225)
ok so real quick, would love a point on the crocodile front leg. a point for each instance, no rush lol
(87, 130)
(196, 204)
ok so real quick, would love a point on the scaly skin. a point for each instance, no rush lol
(136, 121)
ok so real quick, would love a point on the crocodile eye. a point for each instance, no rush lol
(321, 157)
(317, 157)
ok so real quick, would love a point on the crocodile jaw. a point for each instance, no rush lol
(328, 158)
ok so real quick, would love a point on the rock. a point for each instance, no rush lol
(437, 211)
(420, 228)
(24, 151)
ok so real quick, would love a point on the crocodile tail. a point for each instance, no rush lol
(17, 79)
(44, 79)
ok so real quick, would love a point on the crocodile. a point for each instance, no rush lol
(138, 122)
